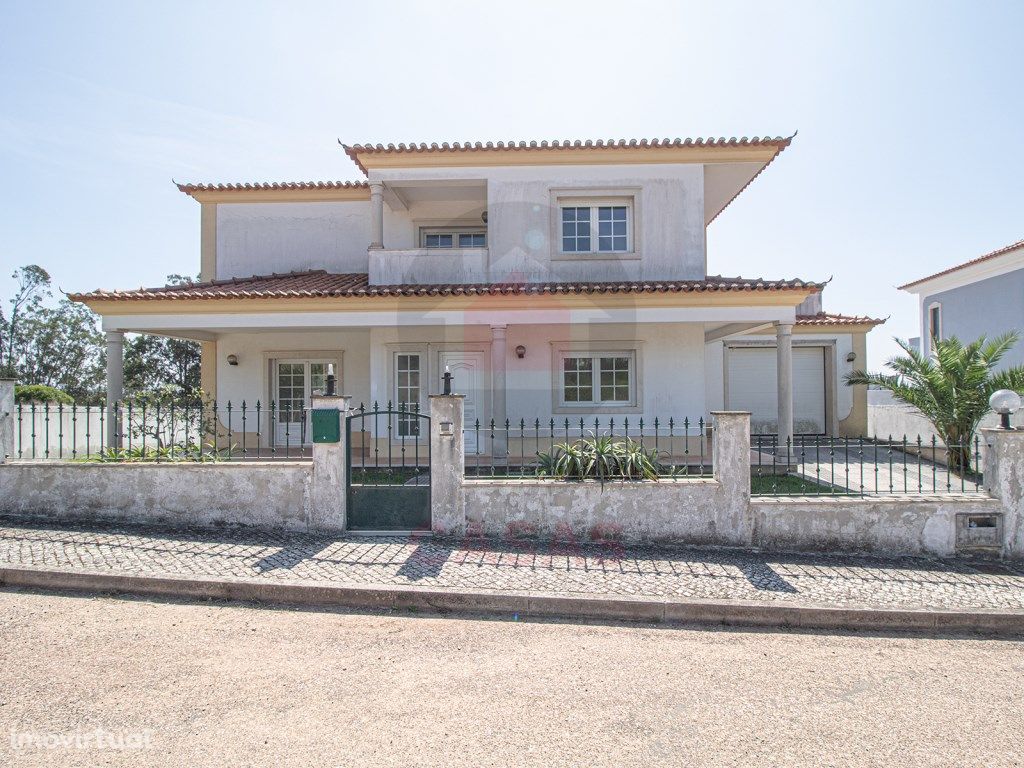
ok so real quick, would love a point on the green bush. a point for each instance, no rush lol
(41, 393)
(601, 458)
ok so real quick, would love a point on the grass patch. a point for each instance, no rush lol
(788, 485)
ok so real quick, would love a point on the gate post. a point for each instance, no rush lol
(447, 465)
(8, 424)
(328, 485)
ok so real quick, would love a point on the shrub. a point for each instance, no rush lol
(41, 393)
(602, 458)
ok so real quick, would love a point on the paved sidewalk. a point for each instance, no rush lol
(586, 569)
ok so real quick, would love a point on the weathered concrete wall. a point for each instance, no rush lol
(905, 526)
(1004, 479)
(264, 495)
(7, 425)
(697, 511)
(684, 511)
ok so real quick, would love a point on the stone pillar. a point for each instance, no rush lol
(730, 457)
(327, 500)
(376, 214)
(784, 341)
(115, 386)
(447, 465)
(499, 412)
(8, 420)
(1003, 468)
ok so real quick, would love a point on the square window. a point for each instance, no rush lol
(612, 231)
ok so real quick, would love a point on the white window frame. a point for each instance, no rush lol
(396, 389)
(934, 334)
(594, 206)
(596, 403)
(595, 199)
(455, 233)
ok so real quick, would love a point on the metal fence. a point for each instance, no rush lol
(521, 448)
(829, 466)
(160, 432)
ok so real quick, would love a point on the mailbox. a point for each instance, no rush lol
(326, 425)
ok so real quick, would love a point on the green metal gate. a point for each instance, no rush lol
(388, 463)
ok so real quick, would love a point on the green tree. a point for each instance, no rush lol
(62, 347)
(951, 387)
(33, 287)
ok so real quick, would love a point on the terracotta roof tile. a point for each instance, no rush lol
(323, 284)
(825, 318)
(354, 150)
(972, 262)
(190, 189)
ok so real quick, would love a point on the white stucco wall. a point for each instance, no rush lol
(669, 233)
(262, 238)
(250, 380)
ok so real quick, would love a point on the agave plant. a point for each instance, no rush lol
(601, 457)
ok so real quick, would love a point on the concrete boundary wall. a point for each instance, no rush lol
(266, 495)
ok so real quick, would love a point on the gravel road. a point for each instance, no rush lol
(211, 684)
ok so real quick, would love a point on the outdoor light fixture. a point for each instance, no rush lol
(851, 357)
(447, 381)
(332, 381)
(1004, 402)
(232, 359)
(520, 351)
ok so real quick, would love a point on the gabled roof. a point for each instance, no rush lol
(611, 146)
(966, 264)
(322, 284)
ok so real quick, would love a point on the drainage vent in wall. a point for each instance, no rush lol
(984, 532)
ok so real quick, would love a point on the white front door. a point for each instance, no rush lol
(467, 369)
(295, 382)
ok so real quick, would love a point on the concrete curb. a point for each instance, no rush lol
(741, 613)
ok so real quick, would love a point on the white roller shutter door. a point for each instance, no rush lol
(752, 386)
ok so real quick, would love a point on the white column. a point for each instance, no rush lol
(377, 214)
(499, 354)
(115, 386)
(784, 341)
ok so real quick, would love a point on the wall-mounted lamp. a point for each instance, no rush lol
(332, 381)
(232, 359)
(520, 351)
(1004, 402)
(851, 357)
(483, 217)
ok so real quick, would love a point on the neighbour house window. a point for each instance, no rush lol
(596, 228)
(601, 378)
(407, 392)
(461, 237)
(935, 322)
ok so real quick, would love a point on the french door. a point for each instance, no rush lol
(295, 383)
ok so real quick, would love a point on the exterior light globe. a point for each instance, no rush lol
(1004, 401)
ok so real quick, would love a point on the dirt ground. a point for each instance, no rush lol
(211, 684)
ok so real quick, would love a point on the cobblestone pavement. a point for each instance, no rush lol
(593, 568)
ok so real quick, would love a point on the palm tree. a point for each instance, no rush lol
(951, 387)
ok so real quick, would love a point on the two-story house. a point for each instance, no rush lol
(553, 279)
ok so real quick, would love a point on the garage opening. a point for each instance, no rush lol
(752, 385)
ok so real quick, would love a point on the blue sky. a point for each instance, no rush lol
(909, 155)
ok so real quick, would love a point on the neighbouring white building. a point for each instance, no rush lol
(554, 279)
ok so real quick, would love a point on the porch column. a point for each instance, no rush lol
(377, 214)
(498, 406)
(784, 342)
(115, 386)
